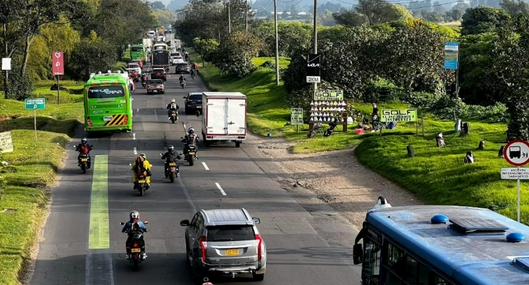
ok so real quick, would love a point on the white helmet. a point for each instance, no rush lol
(173, 100)
(134, 215)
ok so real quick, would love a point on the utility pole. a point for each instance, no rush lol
(246, 16)
(277, 42)
(229, 18)
(315, 37)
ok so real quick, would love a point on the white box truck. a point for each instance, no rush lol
(224, 117)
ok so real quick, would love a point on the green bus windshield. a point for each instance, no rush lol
(106, 92)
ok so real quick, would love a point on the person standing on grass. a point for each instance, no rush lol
(469, 158)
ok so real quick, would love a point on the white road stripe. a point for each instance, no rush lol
(135, 151)
(133, 136)
(205, 166)
(220, 189)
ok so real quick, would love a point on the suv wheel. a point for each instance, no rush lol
(258, 277)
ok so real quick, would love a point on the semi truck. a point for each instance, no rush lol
(224, 117)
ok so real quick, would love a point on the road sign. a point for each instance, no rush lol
(328, 95)
(517, 153)
(313, 79)
(313, 65)
(395, 115)
(6, 63)
(35, 104)
(58, 63)
(6, 142)
(515, 173)
(451, 56)
(296, 117)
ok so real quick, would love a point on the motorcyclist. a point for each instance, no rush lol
(172, 107)
(191, 137)
(84, 149)
(182, 81)
(142, 167)
(134, 224)
(170, 156)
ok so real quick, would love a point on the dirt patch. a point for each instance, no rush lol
(336, 178)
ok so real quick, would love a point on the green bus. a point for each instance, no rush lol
(107, 103)
(137, 53)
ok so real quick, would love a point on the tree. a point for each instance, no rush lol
(413, 58)
(378, 11)
(515, 7)
(93, 54)
(234, 55)
(206, 48)
(349, 18)
(513, 73)
(203, 19)
(292, 36)
(483, 19)
(157, 5)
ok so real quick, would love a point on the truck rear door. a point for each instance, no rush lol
(236, 116)
(216, 114)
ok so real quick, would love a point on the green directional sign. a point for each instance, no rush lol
(35, 104)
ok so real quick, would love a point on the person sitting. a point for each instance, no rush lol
(172, 107)
(84, 150)
(170, 156)
(134, 224)
(142, 168)
(469, 158)
(440, 140)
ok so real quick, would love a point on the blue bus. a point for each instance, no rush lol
(441, 245)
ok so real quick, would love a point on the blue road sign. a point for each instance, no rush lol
(451, 56)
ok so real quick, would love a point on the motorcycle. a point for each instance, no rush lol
(183, 84)
(134, 248)
(174, 116)
(330, 130)
(141, 184)
(172, 171)
(84, 162)
(190, 153)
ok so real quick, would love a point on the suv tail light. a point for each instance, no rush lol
(203, 248)
(260, 247)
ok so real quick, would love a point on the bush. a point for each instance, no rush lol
(422, 100)
(20, 86)
(383, 90)
(234, 56)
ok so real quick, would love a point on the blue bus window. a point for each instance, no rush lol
(371, 266)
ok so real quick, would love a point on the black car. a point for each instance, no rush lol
(193, 103)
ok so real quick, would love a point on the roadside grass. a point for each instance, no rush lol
(31, 168)
(267, 108)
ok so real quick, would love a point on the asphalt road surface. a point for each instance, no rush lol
(82, 241)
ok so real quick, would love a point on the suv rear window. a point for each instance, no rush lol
(156, 81)
(230, 233)
(195, 98)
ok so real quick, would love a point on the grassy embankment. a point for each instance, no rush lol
(436, 176)
(32, 169)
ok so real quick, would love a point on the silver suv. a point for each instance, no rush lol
(225, 241)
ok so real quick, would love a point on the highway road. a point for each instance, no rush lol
(82, 241)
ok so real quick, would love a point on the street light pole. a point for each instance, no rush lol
(277, 42)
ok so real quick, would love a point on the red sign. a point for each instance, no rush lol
(517, 153)
(58, 63)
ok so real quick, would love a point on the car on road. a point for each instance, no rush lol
(158, 73)
(155, 86)
(182, 67)
(225, 242)
(193, 103)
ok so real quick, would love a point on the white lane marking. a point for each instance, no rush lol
(155, 115)
(220, 189)
(205, 166)
(134, 136)
(135, 151)
(137, 110)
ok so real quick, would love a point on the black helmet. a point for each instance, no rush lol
(170, 148)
